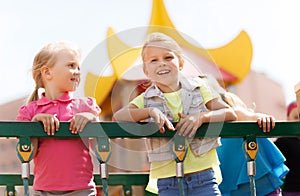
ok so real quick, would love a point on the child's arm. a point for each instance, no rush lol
(133, 114)
(264, 121)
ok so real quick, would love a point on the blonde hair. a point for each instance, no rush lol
(161, 40)
(230, 98)
(47, 56)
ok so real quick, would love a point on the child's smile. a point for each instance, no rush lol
(163, 72)
(162, 65)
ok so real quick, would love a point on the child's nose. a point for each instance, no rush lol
(162, 63)
(77, 71)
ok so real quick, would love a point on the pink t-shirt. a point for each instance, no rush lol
(61, 164)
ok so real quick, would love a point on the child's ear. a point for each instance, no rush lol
(181, 63)
(145, 70)
(46, 72)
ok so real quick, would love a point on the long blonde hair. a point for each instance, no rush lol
(47, 56)
(230, 98)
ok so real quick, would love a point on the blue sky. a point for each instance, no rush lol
(25, 26)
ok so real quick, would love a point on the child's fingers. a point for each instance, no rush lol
(48, 125)
(82, 124)
(162, 130)
(181, 116)
(49, 121)
(52, 126)
(193, 132)
(160, 120)
(184, 130)
(178, 125)
(266, 123)
(273, 122)
(56, 122)
(260, 124)
(169, 125)
(56, 125)
(270, 123)
(72, 127)
(78, 124)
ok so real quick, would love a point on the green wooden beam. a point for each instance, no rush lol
(138, 130)
(135, 130)
(115, 179)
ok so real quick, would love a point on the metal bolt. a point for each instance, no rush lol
(252, 145)
(127, 192)
(25, 147)
(10, 193)
(180, 147)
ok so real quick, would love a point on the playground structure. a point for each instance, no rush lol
(104, 131)
(230, 63)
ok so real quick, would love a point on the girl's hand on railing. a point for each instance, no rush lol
(50, 122)
(79, 121)
(266, 122)
(160, 119)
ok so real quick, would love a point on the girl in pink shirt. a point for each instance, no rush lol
(61, 166)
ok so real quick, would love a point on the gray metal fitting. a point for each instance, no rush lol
(251, 168)
(103, 170)
(179, 170)
(25, 170)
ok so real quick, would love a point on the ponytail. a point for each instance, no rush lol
(34, 96)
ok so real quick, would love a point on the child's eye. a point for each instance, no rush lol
(153, 60)
(169, 58)
(74, 66)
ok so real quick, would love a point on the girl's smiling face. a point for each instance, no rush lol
(64, 76)
(66, 71)
(162, 65)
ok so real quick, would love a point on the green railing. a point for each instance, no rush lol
(104, 131)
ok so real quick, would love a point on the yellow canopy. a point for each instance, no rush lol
(233, 60)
